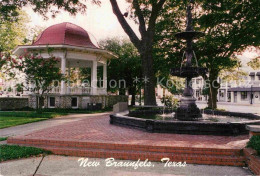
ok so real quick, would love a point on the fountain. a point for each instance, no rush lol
(188, 110)
(187, 118)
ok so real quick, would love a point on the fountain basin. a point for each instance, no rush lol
(201, 127)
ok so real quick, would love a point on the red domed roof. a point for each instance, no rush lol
(64, 34)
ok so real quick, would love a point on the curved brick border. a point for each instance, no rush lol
(185, 127)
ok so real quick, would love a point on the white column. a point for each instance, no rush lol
(232, 97)
(94, 78)
(105, 76)
(68, 86)
(63, 71)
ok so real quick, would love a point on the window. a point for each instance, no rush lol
(221, 93)
(74, 102)
(52, 101)
(243, 95)
(197, 93)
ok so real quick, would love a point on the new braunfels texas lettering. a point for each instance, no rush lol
(111, 162)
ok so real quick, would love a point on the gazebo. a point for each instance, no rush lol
(72, 44)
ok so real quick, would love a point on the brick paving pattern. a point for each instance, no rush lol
(97, 129)
(95, 137)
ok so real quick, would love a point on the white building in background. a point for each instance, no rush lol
(160, 92)
(247, 91)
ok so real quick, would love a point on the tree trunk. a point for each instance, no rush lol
(213, 89)
(149, 77)
(40, 103)
(212, 101)
(163, 96)
(133, 93)
(121, 91)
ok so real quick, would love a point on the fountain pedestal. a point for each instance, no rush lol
(188, 110)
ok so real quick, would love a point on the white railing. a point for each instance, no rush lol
(55, 90)
(79, 91)
(101, 91)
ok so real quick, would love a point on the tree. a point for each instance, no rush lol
(9, 8)
(254, 63)
(40, 74)
(146, 13)
(229, 26)
(13, 33)
(126, 67)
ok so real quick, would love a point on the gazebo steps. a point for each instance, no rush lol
(192, 155)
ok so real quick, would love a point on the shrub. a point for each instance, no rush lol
(254, 143)
(170, 101)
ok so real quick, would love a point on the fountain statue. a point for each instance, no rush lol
(188, 110)
(187, 118)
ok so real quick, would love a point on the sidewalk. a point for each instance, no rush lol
(62, 166)
(231, 104)
(245, 108)
(31, 127)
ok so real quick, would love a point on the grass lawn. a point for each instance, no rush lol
(14, 118)
(8, 119)
(9, 152)
(3, 138)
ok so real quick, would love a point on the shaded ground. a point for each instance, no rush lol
(62, 166)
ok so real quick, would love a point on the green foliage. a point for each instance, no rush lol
(254, 63)
(19, 87)
(126, 67)
(13, 33)
(8, 119)
(170, 101)
(3, 138)
(9, 152)
(9, 89)
(254, 143)
(40, 72)
(31, 114)
(9, 8)
(229, 26)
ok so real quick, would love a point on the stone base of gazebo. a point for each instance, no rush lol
(77, 101)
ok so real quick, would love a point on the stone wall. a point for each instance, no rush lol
(64, 101)
(11, 103)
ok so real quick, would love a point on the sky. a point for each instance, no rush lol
(101, 23)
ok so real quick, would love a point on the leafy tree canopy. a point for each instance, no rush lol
(9, 8)
(229, 26)
(254, 63)
(126, 67)
(13, 33)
